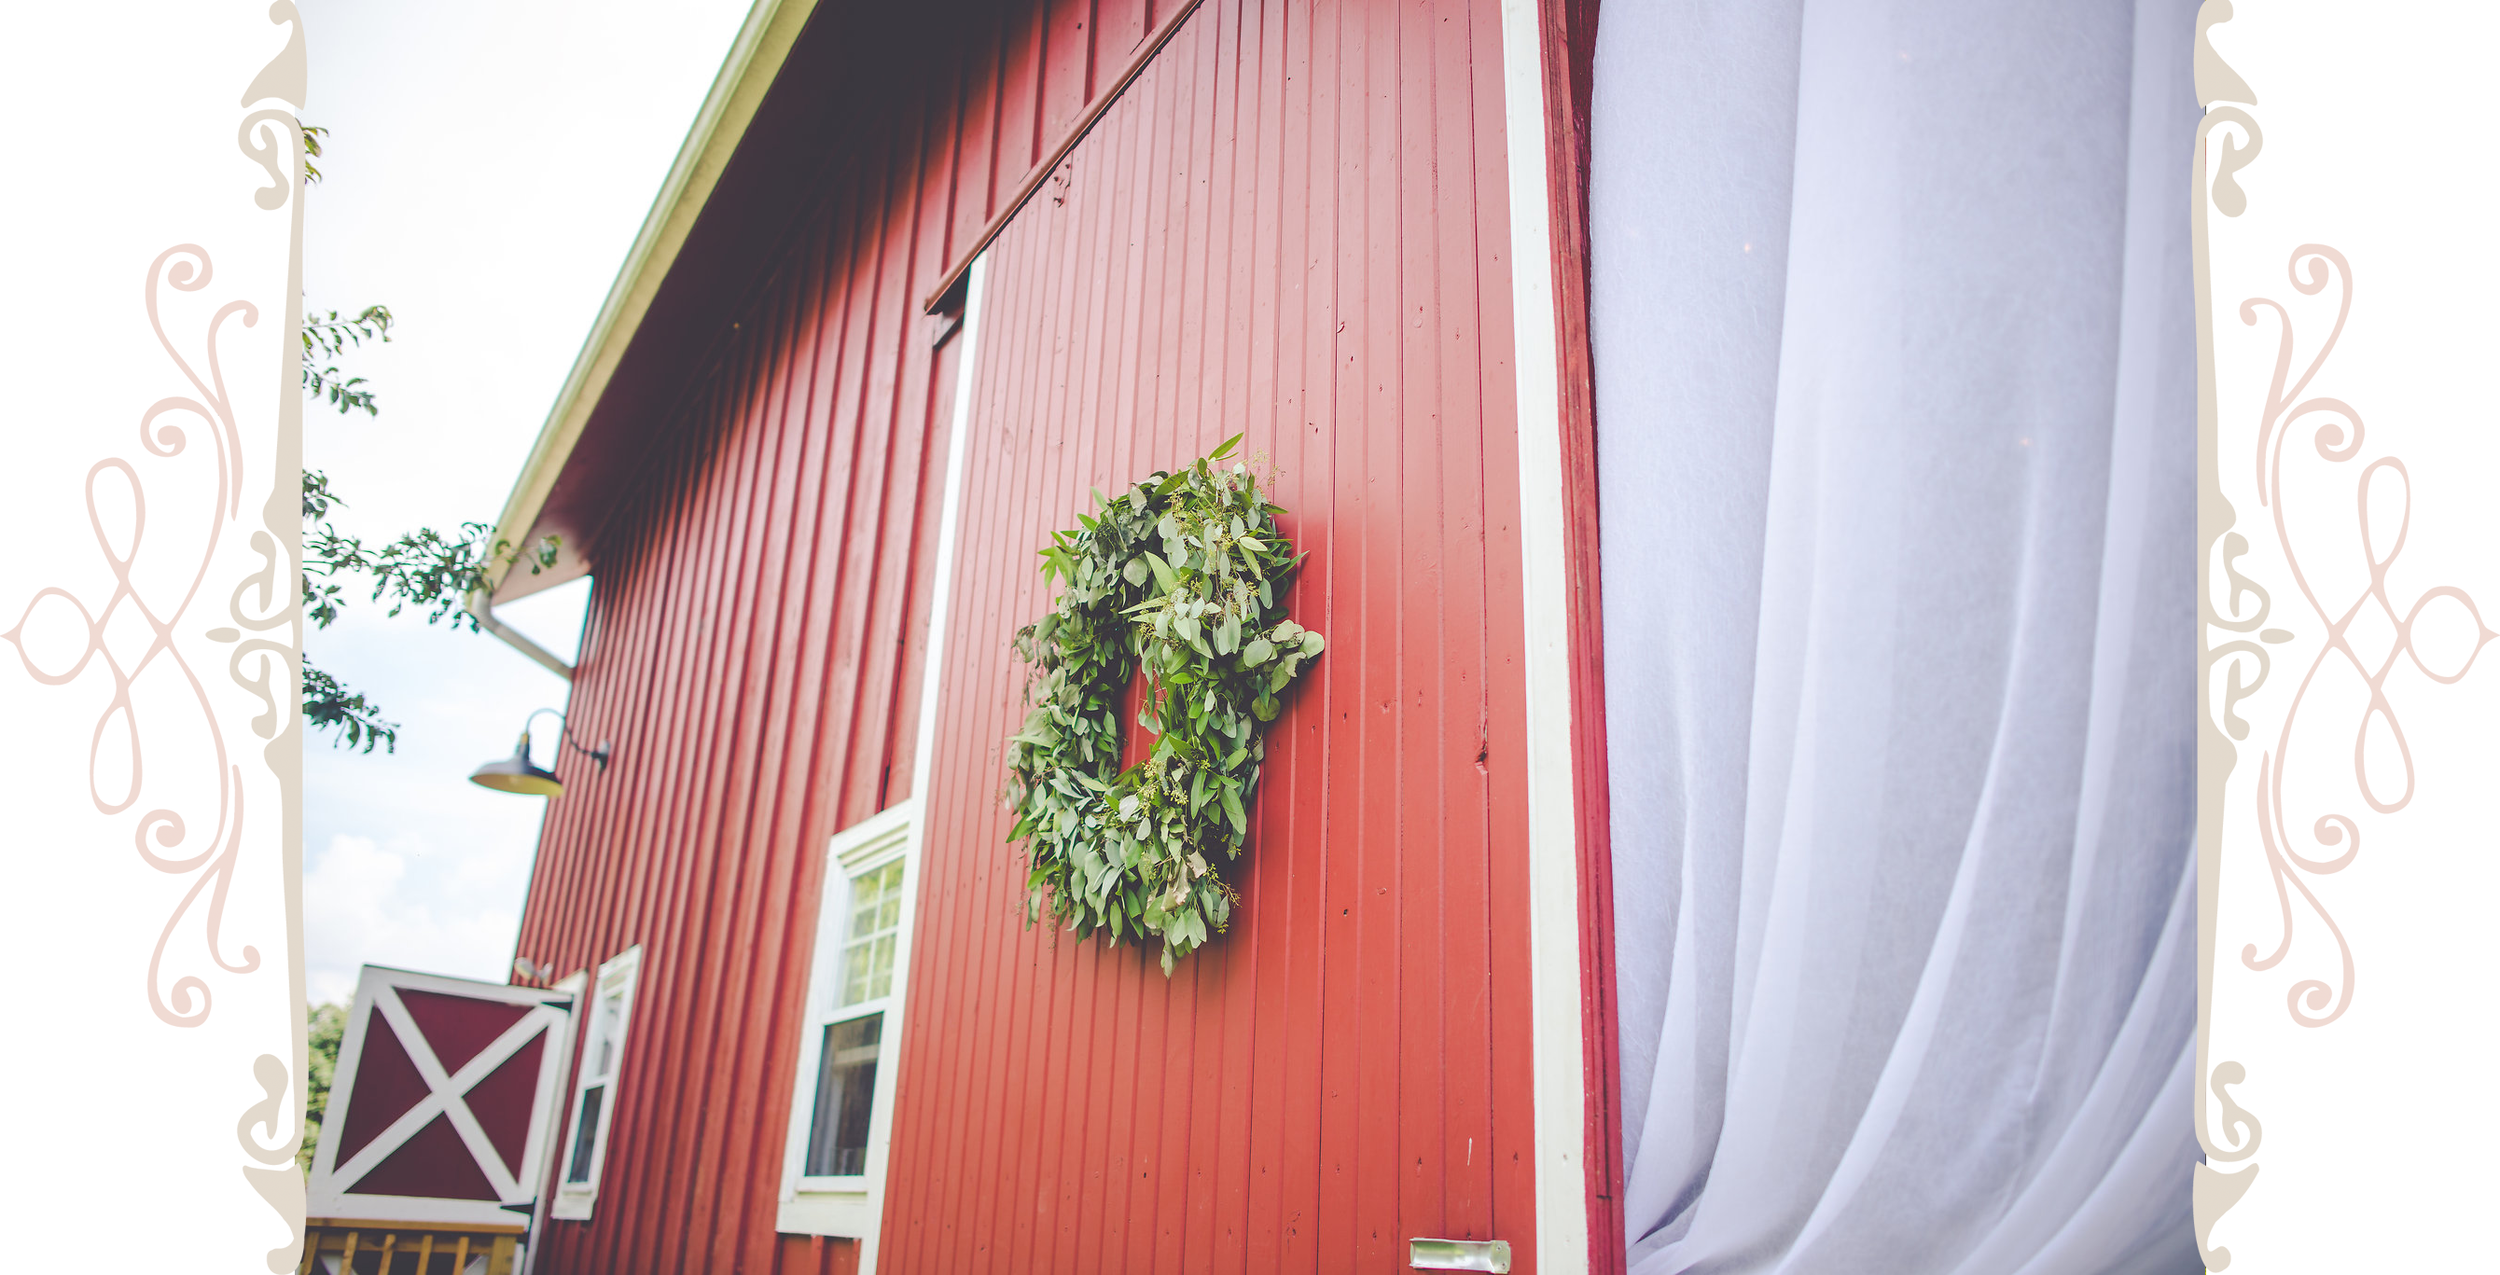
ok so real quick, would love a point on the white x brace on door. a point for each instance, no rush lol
(441, 1105)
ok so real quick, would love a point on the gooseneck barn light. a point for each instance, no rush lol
(517, 774)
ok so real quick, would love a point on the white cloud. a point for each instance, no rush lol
(364, 906)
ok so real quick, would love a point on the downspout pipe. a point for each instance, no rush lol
(483, 610)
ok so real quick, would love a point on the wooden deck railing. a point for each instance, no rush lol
(407, 1248)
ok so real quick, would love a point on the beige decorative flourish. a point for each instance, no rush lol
(2337, 440)
(163, 829)
(276, 1178)
(2211, 1192)
(2225, 624)
(263, 602)
(2217, 85)
(265, 605)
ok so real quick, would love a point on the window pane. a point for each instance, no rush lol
(881, 967)
(846, 1087)
(611, 1017)
(892, 896)
(585, 1132)
(854, 979)
(868, 947)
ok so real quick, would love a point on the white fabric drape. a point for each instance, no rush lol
(1891, 312)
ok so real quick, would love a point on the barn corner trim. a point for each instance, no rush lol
(1558, 1015)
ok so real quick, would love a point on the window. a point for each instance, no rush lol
(846, 1067)
(843, 1102)
(610, 1009)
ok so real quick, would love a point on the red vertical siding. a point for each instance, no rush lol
(815, 1255)
(1291, 225)
(754, 642)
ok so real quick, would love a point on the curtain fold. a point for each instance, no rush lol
(1891, 314)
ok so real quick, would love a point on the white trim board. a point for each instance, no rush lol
(858, 1215)
(552, 1118)
(1562, 1238)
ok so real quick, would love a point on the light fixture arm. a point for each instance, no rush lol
(565, 733)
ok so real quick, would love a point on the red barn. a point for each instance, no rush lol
(812, 522)
(926, 275)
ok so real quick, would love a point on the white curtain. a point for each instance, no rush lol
(1891, 311)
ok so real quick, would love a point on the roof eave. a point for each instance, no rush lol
(764, 42)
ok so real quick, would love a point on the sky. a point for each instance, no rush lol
(486, 168)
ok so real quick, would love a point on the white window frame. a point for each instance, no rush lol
(852, 1206)
(848, 1205)
(619, 977)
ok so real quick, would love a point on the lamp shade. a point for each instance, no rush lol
(516, 774)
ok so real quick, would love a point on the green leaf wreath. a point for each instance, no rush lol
(1183, 576)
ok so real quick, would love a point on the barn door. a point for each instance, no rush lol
(441, 1106)
(1352, 1065)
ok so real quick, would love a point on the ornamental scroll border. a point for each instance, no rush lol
(265, 630)
(2228, 657)
(2316, 1002)
(262, 602)
(185, 268)
(274, 140)
(2224, 96)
